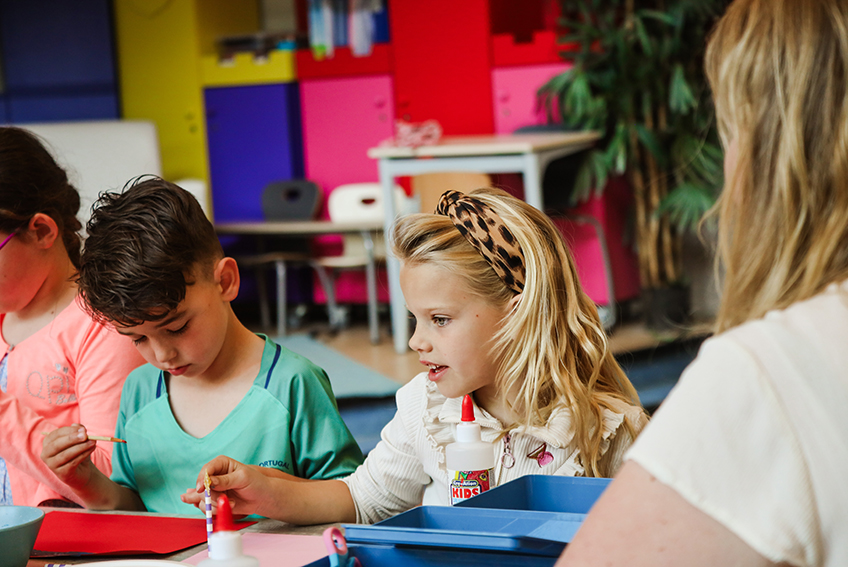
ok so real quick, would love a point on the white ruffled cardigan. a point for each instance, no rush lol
(407, 467)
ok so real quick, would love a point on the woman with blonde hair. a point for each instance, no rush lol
(499, 315)
(745, 462)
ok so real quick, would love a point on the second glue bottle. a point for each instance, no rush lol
(470, 461)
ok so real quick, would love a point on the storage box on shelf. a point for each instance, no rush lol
(278, 66)
(542, 48)
(343, 63)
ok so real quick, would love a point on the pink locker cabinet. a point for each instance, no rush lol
(342, 117)
(514, 98)
(514, 94)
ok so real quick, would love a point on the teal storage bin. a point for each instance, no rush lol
(542, 493)
(511, 531)
(390, 556)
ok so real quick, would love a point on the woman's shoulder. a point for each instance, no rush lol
(822, 316)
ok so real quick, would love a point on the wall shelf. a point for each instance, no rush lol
(245, 69)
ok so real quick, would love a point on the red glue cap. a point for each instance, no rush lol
(224, 517)
(467, 408)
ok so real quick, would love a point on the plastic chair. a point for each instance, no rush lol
(430, 186)
(293, 200)
(356, 202)
(297, 199)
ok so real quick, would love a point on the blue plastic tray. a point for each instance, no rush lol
(515, 531)
(542, 493)
(386, 556)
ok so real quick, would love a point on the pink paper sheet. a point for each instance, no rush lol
(277, 550)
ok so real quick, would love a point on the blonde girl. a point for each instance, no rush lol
(744, 464)
(499, 315)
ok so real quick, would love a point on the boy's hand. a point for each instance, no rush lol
(67, 452)
(244, 485)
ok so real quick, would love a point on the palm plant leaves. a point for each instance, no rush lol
(637, 77)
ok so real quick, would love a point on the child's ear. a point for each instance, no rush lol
(227, 278)
(43, 230)
(513, 303)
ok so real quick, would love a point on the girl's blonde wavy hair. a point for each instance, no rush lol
(551, 350)
(779, 75)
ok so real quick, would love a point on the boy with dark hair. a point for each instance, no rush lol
(153, 267)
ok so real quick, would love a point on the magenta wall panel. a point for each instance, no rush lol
(342, 118)
(611, 209)
(514, 94)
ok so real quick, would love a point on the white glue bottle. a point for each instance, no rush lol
(470, 461)
(225, 542)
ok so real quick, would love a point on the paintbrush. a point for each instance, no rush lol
(98, 438)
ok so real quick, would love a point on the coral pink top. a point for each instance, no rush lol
(70, 371)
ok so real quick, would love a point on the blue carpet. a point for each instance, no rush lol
(366, 417)
(654, 372)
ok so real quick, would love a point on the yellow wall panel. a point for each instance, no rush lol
(159, 43)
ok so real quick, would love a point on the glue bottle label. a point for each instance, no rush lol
(465, 484)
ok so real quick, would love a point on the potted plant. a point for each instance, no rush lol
(637, 76)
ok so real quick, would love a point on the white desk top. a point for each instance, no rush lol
(291, 228)
(496, 144)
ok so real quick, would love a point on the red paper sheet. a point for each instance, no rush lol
(79, 532)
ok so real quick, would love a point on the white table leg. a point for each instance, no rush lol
(400, 328)
(371, 279)
(533, 181)
(281, 297)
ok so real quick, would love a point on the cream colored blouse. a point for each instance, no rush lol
(407, 467)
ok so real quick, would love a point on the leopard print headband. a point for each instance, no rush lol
(486, 232)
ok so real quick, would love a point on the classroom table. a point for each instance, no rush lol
(296, 229)
(528, 154)
(264, 525)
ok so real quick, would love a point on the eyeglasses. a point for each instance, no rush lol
(5, 242)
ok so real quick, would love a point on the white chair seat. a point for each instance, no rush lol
(357, 202)
(342, 262)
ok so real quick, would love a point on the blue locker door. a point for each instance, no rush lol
(58, 59)
(54, 43)
(254, 138)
